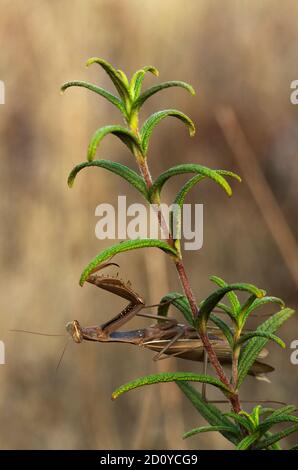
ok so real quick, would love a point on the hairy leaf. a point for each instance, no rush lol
(272, 420)
(210, 303)
(242, 421)
(126, 173)
(257, 303)
(210, 412)
(155, 118)
(124, 134)
(114, 75)
(269, 441)
(224, 328)
(260, 334)
(235, 304)
(169, 377)
(189, 168)
(253, 348)
(248, 441)
(100, 91)
(162, 86)
(201, 429)
(120, 248)
(180, 302)
(138, 77)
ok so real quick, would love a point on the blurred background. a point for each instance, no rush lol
(241, 58)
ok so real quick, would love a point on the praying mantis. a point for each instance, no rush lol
(167, 337)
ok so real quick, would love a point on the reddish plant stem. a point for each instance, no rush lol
(186, 287)
(234, 398)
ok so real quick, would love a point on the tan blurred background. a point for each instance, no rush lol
(238, 54)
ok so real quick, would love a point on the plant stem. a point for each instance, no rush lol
(234, 398)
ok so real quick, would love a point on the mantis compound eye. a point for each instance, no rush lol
(74, 329)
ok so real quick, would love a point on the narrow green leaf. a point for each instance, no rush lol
(189, 168)
(283, 410)
(169, 377)
(263, 444)
(271, 421)
(210, 412)
(113, 74)
(100, 91)
(162, 86)
(201, 429)
(210, 303)
(155, 118)
(224, 328)
(250, 353)
(120, 248)
(180, 198)
(235, 304)
(257, 303)
(295, 447)
(124, 134)
(138, 77)
(124, 78)
(260, 334)
(248, 441)
(255, 414)
(242, 421)
(275, 445)
(180, 302)
(126, 173)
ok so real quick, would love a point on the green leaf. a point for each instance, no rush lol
(180, 302)
(283, 410)
(235, 304)
(169, 377)
(224, 328)
(210, 303)
(155, 118)
(225, 308)
(124, 134)
(295, 447)
(242, 421)
(162, 86)
(189, 168)
(138, 77)
(126, 173)
(120, 248)
(124, 78)
(201, 429)
(180, 198)
(114, 75)
(253, 348)
(100, 91)
(210, 412)
(255, 414)
(263, 444)
(248, 441)
(257, 303)
(260, 334)
(271, 421)
(274, 446)
(243, 315)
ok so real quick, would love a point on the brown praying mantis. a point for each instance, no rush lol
(167, 337)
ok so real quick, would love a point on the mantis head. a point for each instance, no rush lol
(73, 328)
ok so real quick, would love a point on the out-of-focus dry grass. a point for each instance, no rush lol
(242, 54)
